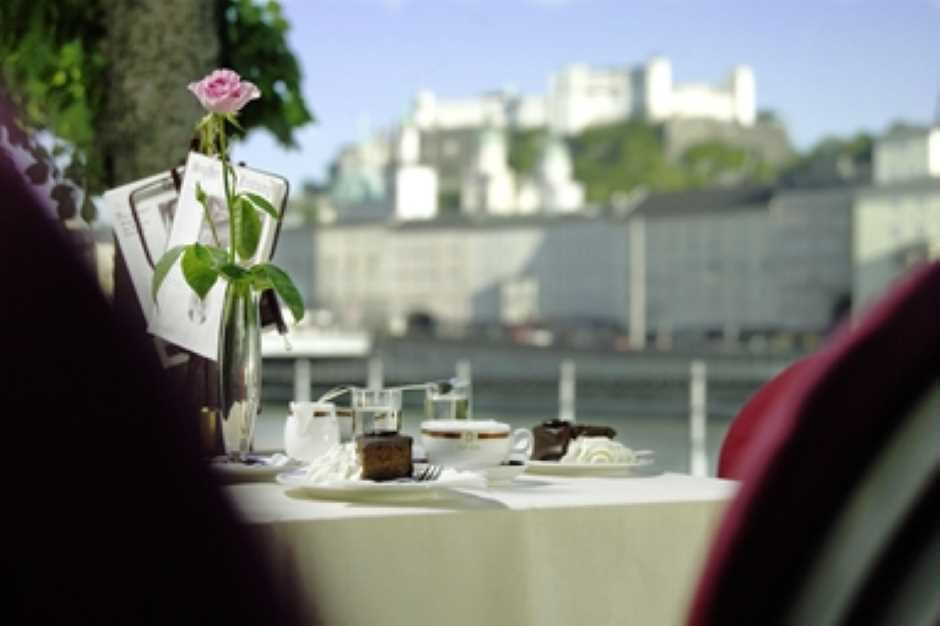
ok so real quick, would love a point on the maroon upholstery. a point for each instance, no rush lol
(744, 436)
(814, 444)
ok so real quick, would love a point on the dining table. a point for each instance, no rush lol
(542, 550)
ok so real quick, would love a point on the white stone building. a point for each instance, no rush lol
(471, 271)
(580, 96)
(727, 262)
(557, 190)
(897, 220)
(907, 154)
(491, 187)
(415, 184)
(896, 227)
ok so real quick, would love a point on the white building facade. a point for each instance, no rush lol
(415, 184)
(680, 264)
(466, 272)
(897, 220)
(580, 96)
(907, 154)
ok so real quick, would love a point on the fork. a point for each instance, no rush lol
(429, 473)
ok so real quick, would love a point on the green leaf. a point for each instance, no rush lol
(234, 272)
(262, 203)
(259, 278)
(201, 195)
(163, 268)
(219, 256)
(234, 121)
(285, 288)
(198, 270)
(249, 231)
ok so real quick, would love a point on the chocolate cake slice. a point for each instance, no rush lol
(551, 438)
(384, 456)
(585, 430)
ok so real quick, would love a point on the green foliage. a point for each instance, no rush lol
(625, 155)
(525, 146)
(262, 203)
(284, 287)
(202, 265)
(831, 160)
(448, 202)
(54, 71)
(248, 231)
(53, 66)
(254, 43)
(621, 156)
(163, 267)
(199, 270)
(714, 162)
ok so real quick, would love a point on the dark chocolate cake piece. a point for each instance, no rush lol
(384, 456)
(551, 438)
(585, 430)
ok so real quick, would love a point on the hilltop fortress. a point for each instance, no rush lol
(580, 96)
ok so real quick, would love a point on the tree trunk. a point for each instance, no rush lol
(155, 49)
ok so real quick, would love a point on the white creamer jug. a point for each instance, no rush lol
(311, 429)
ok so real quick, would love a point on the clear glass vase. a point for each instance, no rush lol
(239, 369)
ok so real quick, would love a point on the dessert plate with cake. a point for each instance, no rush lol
(375, 465)
(569, 449)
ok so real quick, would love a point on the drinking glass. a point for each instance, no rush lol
(448, 400)
(376, 410)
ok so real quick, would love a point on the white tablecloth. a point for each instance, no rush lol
(546, 551)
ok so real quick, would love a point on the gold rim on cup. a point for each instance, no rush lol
(438, 434)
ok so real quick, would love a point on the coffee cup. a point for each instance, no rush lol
(472, 444)
(311, 429)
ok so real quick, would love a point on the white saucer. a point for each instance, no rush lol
(501, 475)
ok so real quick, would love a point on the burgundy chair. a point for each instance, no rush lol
(744, 435)
(836, 517)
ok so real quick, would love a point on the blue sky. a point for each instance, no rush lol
(826, 66)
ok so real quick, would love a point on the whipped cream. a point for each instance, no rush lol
(340, 462)
(597, 450)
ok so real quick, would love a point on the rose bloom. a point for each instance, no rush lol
(224, 91)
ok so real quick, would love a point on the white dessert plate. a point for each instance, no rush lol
(644, 458)
(367, 489)
(261, 467)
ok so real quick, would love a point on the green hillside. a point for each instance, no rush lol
(626, 155)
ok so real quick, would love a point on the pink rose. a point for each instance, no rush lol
(224, 91)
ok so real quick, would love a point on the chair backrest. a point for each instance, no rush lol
(878, 511)
(806, 489)
(744, 434)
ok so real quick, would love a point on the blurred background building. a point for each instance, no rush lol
(742, 263)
